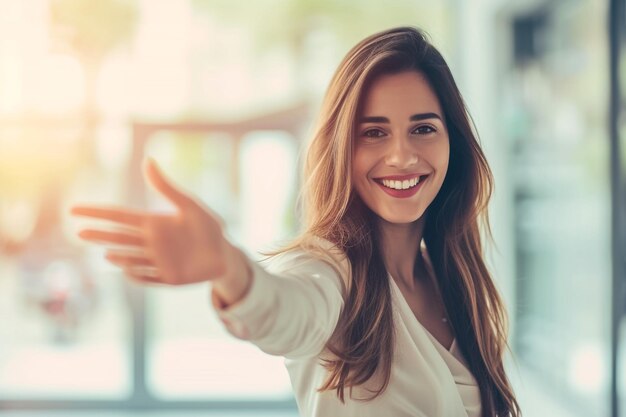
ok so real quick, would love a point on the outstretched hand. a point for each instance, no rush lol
(185, 247)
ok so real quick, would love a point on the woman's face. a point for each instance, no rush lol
(401, 138)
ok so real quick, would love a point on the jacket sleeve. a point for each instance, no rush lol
(291, 308)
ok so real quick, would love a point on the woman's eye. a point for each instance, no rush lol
(424, 130)
(373, 133)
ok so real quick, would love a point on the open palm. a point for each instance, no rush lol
(184, 247)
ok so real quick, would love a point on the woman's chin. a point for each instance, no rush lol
(399, 219)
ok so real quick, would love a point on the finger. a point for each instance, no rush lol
(142, 252)
(119, 215)
(141, 270)
(164, 185)
(120, 238)
(142, 278)
(129, 261)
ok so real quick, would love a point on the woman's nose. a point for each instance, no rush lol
(401, 153)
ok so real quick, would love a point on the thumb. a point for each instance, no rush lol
(163, 185)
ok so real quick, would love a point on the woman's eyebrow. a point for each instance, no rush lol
(413, 118)
(423, 116)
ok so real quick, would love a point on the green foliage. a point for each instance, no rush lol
(94, 28)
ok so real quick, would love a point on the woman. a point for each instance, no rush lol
(383, 305)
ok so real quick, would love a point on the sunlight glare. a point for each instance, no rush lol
(58, 84)
(587, 368)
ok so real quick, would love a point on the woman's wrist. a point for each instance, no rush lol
(236, 282)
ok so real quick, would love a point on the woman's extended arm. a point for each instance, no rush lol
(290, 309)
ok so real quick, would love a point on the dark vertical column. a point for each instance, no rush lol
(135, 196)
(616, 38)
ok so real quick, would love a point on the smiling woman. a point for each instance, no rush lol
(385, 293)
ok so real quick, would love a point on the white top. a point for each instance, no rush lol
(291, 310)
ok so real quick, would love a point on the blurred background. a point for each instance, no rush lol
(223, 94)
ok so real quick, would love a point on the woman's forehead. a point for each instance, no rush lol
(407, 91)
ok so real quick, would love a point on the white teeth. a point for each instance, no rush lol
(401, 185)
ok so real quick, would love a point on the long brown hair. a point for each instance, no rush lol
(363, 340)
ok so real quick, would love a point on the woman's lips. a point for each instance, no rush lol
(402, 177)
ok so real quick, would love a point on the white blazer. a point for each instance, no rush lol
(291, 310)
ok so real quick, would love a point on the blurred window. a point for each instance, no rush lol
(556, 104)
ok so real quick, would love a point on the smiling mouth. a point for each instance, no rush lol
(401, 185)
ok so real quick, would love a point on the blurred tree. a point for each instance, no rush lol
(91, 30)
